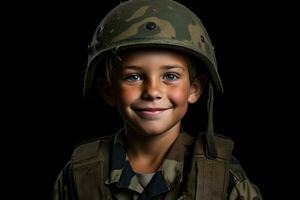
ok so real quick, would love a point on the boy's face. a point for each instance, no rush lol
(152, 90)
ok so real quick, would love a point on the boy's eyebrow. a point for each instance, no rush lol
(173, 66)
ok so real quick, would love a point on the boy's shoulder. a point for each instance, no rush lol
(92, 150)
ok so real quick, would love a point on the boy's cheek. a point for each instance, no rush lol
(179, 95)
(127, 94)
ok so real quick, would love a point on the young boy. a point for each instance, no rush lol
(150, 59)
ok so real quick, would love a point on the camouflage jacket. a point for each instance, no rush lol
(118, 180)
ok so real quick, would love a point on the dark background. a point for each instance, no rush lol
(44, 115)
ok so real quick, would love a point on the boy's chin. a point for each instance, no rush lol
(152, 131)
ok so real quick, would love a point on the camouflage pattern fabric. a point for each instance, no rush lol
(166, 184)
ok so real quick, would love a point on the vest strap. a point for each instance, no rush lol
(208, 178)
(90, 168)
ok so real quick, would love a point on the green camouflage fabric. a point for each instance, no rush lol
(151, 24)
(166, 184)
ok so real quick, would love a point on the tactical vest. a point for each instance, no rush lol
(206, 179)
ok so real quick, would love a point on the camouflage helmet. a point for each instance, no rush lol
(151, 23)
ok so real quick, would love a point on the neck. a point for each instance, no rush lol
(145, 153)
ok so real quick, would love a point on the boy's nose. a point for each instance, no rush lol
(151, 90)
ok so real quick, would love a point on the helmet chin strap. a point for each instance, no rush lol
(211, 151)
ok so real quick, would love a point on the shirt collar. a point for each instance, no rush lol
(169, 174)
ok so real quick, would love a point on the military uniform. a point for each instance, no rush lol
(100, 170)
(194, 168)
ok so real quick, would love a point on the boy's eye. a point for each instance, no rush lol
(171, 76)
(133, 77)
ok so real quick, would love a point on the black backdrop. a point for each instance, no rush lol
(44, 114)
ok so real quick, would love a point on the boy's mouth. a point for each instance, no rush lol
(150, 109)
(150, 113)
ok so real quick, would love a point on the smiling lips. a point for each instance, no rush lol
(150, 113)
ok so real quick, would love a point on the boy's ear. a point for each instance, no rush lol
(106, 91)
(197, 88)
